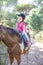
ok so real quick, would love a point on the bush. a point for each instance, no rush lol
(39, 36)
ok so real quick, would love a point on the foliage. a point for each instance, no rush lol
(8, 2)
(38, 2)
(39, 36)
(8, 18)
(35, 19)
(25, 7)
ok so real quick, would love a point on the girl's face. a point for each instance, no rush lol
(20, 19)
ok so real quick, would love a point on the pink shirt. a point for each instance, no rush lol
(21, 26)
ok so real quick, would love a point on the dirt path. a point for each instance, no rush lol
(35, 56)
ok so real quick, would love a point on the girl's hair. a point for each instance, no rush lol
(22, 15)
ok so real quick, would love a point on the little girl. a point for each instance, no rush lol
(21, 26)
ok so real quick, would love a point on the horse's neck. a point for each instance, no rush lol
(7, 44)
(7, 40)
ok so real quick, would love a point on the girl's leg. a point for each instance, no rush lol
(28, 39)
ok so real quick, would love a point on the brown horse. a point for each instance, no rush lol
(12, 39)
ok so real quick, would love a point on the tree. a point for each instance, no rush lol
(6, 16)
(8, 2)
(38, 2)
(35, 19)
(25, 7)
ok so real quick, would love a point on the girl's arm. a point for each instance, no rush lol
(24, 28)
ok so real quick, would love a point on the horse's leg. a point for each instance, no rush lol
(18, 58)
(11, 58)
(27, 57)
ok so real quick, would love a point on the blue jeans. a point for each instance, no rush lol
(25, 37)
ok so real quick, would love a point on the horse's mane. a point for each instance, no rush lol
(11, 31)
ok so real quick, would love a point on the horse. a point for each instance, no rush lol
(12, 39)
